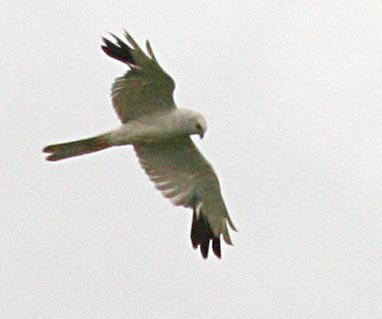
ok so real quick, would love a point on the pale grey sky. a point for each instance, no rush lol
(292, 91)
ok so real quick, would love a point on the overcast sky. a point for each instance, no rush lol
(292, 93)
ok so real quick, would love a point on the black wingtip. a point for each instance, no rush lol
(120, 51)
(202, 235)
(216, 247)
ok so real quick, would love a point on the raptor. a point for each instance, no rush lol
(160, 134)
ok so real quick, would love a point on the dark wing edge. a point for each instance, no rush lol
(132, 55)
(202, 235)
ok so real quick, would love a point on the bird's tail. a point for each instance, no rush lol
(76, 148)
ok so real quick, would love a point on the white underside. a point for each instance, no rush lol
(154, 127)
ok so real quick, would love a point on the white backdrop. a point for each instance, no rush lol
(292, 92)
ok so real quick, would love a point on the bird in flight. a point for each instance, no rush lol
(160, 133)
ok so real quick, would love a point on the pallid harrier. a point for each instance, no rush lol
(160, 134)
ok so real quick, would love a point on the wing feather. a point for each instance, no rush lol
(145, 88)
(183, 175)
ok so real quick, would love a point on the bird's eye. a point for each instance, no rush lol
(198, 126)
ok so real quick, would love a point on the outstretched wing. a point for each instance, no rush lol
(145, 88)
(183, 175)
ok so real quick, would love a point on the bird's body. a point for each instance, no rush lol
(157, 127)
(160, 134)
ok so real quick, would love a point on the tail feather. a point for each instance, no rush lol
(76, 148)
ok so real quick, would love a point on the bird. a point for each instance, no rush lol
(160, 133)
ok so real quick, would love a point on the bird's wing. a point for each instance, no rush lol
(183, 175)
(146, 87)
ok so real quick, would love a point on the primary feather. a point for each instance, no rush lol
(145, 88)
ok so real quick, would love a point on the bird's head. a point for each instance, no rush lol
(191, 122)
(199, 125)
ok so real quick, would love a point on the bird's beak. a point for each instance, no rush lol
(201, 134)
